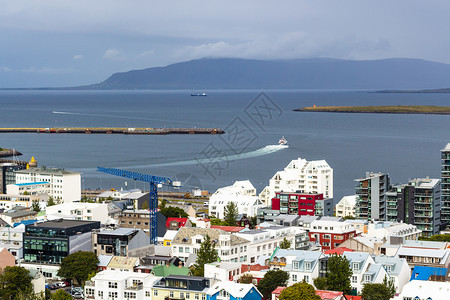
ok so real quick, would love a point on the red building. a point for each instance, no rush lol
(330, 234)
(302, 204)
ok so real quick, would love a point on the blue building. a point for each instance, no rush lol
(429, 273)
(233, 291)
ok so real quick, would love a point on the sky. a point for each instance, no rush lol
(59, 43)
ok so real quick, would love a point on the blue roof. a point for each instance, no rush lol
(424, 273)
(32, 183)
(26, 222)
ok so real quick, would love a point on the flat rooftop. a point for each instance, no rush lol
(63, 223)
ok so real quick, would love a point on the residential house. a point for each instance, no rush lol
(227, 290)
(424, 257)
(189, 209)
(419, 289)
(363, 244)
(346, 207)
(429, 273)
(397, 269)
(11, 238)
(181, 287)
(6, 259)
(140, 219)
(330, 234)
(123, 263)
(81, 211)
(176, 223)
(302, 204)
(18, 214)
(170, 269)
(223, 271)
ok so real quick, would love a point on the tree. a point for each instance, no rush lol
(35, 206)
(375, 291)
(174, 212)
(25, 193)
(15, 282)
(51, 201)
(61, 295)
(436, 238)
(349, 217)
(145, 205)
(246, 278)
(390, 286)
(339, 274)
(163, 204)
(218, 222)
(253, 222)
(285, 244)
(320, 283)
(78, 266)
(231, 213)
(271, 280)
(205, 255)
(299, 291)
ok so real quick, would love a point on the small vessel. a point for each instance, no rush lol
(282, 141)
(200, 94)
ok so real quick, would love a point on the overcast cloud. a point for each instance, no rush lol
(68, 43)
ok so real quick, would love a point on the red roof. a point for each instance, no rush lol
(338, 251)
(182, 221)
(228, 228)
(328, 294)
(348, 297)
(278, 290)
(257, 267)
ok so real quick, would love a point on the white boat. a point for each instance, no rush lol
(282, 141)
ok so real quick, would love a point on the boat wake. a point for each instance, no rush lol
(226, 158)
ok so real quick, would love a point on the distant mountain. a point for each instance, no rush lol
(318, 73)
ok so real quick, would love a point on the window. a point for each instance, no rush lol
(197, 297)
(181, 295)
(294, 278)
(181, 250)
(296, 265)
(306, 278)
(367, 278)
(203, 297)
(326, 236)
(355, 267)
(155, 292)
(100, 294)
(171, 294)
(112, 285)
(354, 279)
(112, 295)
(188, 296)
(148, 294)
(307, 266)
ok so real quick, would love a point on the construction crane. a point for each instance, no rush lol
(154, 181)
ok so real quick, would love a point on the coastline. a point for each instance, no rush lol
(385, 109)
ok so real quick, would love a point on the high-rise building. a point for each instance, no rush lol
(7, 175)
(371, 196)
(302, 204)
(445, 185)
(418, 202)
(300, 176)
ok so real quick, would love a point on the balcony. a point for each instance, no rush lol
(135, 287)
(89, 283)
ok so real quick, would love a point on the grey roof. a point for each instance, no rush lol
(424, 244)
(373, 271)
(185, 233)
(357, 257)
(46, 171)
(301, 256)
(19, 213)
(192, 258)
(62, 223)
(118, 231)
(395, 263)
(104, 260)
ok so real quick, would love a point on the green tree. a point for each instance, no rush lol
(349, 218)
(320, 283)
(51, 201)
(15, 282)
(390, 286)
(78, 266)
(174, 212)
(299, 291)
(253, 222)
(61, 295)
(231, 213)
(145, 205)
(35, 206)
(162, 204)
(375, 291)
(285, 244)
(205, 255)
(436, 238)
(339, 274)
(271, 280)
(246, 278)
(25, 193)
(218, 222)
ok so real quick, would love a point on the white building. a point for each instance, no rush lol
(365, 270)
(8, 201)
(418, 289)
(80, 211)
(303, 176)
(301, 265)
(110, 284)
(264, 241)
(223, 271)
(397, 268)
(11, 238)
(346, 207)
(64, 185)
(230, 247)
(242, 193)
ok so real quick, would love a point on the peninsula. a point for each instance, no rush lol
(382, 109)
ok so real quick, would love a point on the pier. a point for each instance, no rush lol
(114, 130)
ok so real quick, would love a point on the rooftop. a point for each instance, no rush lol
(32, 183)
(185, 235)
(47, 171)
(63, 223)
(118, 231)
(228, 228)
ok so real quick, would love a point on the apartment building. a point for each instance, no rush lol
(10, 201)
(8, 175)
(371, 196)
(64, 185)
(302, 204)
(242, 193)
(181, 287)
(119, 242)
(81, 211)
(346, 207)
(445, 182)
(11, 238)
(418, 202)
(230, 247)
(300, 176)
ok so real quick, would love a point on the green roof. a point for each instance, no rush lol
(165, 271)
